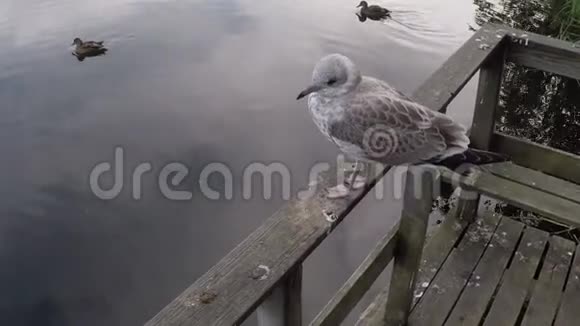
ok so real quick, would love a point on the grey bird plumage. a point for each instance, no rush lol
(371, 121)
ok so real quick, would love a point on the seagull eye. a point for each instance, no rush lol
(331, 82)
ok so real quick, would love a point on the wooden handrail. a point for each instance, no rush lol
(231, 290)
(543, 53)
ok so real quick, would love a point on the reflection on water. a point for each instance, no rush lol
(183, 81)
(81, 57)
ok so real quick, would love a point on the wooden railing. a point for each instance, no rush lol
(264, 272)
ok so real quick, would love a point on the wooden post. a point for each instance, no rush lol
(284, 305)
(487, 99)
(486, 104)
(466, 207)
(417, 205)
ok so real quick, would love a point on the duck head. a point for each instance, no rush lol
(77, 41)
(363, 4)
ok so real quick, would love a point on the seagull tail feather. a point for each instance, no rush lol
(471, 156)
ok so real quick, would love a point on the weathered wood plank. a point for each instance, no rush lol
(517, 280)
(441, 245)
(440, 296)
(545, 53)
(237, 285)
(417, 206)
(284, 305)
(475, 298)
(549, 160)
(467, 205)
(487, 99)
(569, 312)
(293, 298)
(536, 180)
(467, 208)
(445, 83)
(550, 206)
(438, 247)
(360, 281)
(548, 291)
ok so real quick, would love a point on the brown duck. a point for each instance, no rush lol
(372, 12)
(88, 48)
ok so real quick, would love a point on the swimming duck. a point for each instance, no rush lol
(362, 17)
(373, 12)
(88, 48)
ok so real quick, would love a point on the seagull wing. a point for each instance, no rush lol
(389, 128)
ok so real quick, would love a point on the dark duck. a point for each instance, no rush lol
(372, 12)
(88, 49)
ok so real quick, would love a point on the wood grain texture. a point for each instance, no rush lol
(438, 247)
(569, 312)
(544, 53)
(487, 100)
(550, 206)
(535, 179)
(417, 205)
(467, 205)
(548, 290)
(517, 280)
(549, 160)
(475, 297)
(440, 295)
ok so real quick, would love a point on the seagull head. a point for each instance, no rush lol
(334, 75)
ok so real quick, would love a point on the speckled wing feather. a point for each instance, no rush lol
(381, 124)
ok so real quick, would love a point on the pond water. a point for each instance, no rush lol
(195, 82)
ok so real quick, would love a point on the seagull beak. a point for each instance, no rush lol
(310, 89)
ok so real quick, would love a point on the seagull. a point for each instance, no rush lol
(371, 121)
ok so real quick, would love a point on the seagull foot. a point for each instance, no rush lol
(339, 191)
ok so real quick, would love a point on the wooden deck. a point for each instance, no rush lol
(481, 268)
(499, 272)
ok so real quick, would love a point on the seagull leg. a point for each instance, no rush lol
(341, 190)
(356, 180)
